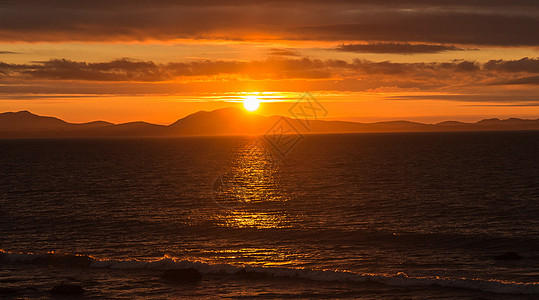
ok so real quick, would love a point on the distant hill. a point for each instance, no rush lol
(228, 121)
(26, 124)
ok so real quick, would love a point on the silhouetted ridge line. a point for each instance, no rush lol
(228, 121)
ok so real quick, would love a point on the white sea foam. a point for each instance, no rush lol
(399, 279)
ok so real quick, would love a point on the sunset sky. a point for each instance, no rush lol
(365, 60)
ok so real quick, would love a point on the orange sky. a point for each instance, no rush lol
(363, 60)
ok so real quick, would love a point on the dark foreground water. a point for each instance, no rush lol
(340, 216)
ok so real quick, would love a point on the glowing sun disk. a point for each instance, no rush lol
(251, 103)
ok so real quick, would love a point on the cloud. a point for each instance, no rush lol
(478, 22)
(132, 77)
(437, 27)
(272, 68)
(131, 70)
(397, 48)
(282, 52)
(529, 65)
(8, 52)
(532, 80)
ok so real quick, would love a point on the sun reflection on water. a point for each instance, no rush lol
(245, 219)
(255, 256)
(254, 178)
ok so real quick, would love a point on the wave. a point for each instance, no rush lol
(167, 262)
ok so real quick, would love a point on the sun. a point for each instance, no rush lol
(251, 103)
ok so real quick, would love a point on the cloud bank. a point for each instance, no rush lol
(474, 22)
(397, 48)
(125, 76)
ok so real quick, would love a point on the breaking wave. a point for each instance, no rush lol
(167, 262)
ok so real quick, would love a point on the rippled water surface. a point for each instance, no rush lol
(370, 215)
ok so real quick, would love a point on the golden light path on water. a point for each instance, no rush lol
(253, 182)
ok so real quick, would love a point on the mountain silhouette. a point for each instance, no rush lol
(225, 121)
(229, 121)
(26, 121)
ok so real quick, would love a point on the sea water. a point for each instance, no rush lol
(388, 215)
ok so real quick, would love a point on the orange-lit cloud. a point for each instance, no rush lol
(419, 75)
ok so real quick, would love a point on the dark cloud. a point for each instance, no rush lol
(388, 68)
(437, 27)
(62, 69)
(530, 65)
(533, 80)
(130, 70)
(397, 48)
(8, 52)
(420, 74)
(465, 66)
(98, 4)
(476, 22)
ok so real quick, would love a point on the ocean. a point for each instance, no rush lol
(373, 216)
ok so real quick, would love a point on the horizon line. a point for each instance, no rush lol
(326, 119)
